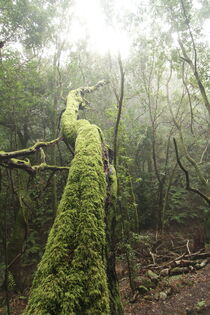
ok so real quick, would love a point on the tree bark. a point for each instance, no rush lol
(120, 105)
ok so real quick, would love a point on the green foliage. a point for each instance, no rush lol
(180, 210)
(126, 196)
(177, 194)
(22, 89)
(25, 21)
(200, 304)
(11, 281)
(33, 251)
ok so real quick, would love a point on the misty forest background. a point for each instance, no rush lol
(154, 113)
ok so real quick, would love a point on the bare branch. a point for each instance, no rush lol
(191, 34)
(204, 152)
(188, 187)
(197, 77)
(189, 98)
(93, 88)
(184, 148)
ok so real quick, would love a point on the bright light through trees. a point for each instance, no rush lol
(105, 35)
(90, 23)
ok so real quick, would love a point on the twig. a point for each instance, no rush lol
(69, 147)
(14, 260)
(170, 262)
(47, 184)
(204, 152)
(153, 257)
(188, 249)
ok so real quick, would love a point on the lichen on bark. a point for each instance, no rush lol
(71, 277)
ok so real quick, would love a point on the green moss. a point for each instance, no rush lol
(71, 277)
(113, 178)
(20, 162)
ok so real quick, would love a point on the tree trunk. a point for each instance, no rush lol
(71, 277)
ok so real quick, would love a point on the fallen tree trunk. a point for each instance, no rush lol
(71, 277)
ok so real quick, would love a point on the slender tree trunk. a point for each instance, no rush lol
(110, 209)
(120, 104)
(5, 240)
(21, 202)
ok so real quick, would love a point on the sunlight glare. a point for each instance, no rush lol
(90, 23)
(206, 30)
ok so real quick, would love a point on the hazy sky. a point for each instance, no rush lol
(90, 22)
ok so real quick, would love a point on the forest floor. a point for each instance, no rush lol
(186, 293)
(189, 294)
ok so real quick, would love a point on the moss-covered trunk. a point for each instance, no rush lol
(71, 277)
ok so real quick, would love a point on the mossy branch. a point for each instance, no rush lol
(76, 101)
(25, 152)
(71, 277)
(26, 166)
(93, 88)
